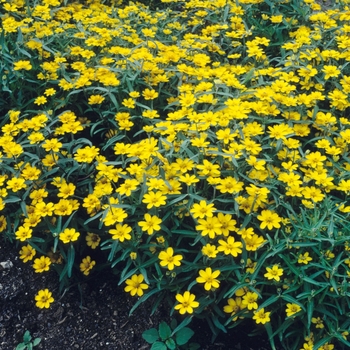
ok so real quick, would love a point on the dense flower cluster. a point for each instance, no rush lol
(204, 147)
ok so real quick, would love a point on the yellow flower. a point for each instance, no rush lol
(22, 64)
(154, 199)
(49, 92)
(234, 306)
(27, 253)
(292, 309)
(114, 215)
(210, 226)
(63, 207)
(66, 190)
(230, 246)
(30, 173)
(127, 187)
(254, 242)
(151, 223)
(42, 264)
(3, 222)
(149, 94)
(23, 233)
(168, 259)
(304, 258)
(95, 99)
(261, 316)
(276, 19)
(186, 303)
(121, 232)
(274, 273)
(269, 219)
(52, 145)
(134, 94)
(313, 193)
(40, 100)
(202, 209)
(86, 265)
(135, 285)
(250, 266)
(44, 299)
(210, 251)
(318, 322)
(208, 277)
(148, 33)
(326, 346)
(86, 154)
(330, 71)
(92, 240)
(249, 300)
(43, 209)
(69, 235)
(16, 184)
(128, 102)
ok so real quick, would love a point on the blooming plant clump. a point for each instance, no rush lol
(198, 148)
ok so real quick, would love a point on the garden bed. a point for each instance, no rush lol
(194, 155)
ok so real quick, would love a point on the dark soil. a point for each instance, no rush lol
(96, 317)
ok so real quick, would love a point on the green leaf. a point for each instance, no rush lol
(11, 199)
(270, 335)
(36, 341)
(269, 301)
(310, 310)
(151, 335)
(177, 199)
(164, 331)
(173, 323)
(322, 342)
(27, 337)
(217, 324)
(70, 260)
(193, 346)
(143, 299)
(170, 344)
(21, 346)
(158, 346)
(183, 336)
(183, 324)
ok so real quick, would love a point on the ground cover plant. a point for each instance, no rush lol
(200, 149)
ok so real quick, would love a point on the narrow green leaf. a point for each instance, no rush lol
(322, 342)
(310, 310)
(11, 199)
(183, 324)
(269, 301)
(270, 335)
(70, 261)
(143, 299)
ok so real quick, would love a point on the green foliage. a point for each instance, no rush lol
(27, 343)
(170, 337)
(199, 151)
